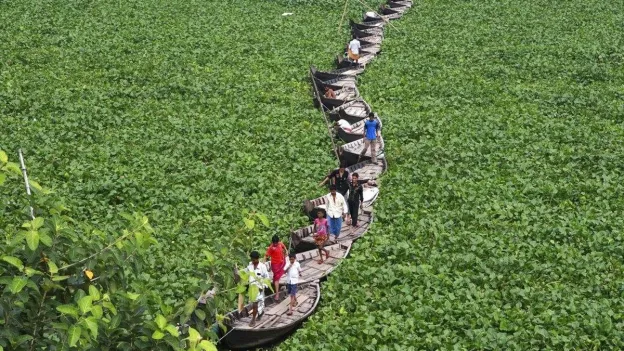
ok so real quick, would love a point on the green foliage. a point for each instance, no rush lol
(83, 303)
(499, 226)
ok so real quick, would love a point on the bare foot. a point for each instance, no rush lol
(289, 313)
(252, 323)
(320, 261)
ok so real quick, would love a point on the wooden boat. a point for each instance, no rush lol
(373, 19)
(376, 33)
(302, 239)
(375, 30)
(311, 270)
(342, 92)
(274, 323)
(369, 171)
(333, 79)
(343, 95)
(352, 112)
(391, 13)
(399, 3)
(311, 207)
(368, 38)
(365, 58)
(398, 6)
(354, 131)
(350, 152)
(352, 69)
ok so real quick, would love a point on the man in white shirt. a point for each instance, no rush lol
(293, 272)
(354, 50)
(336, 210)
(257, 272)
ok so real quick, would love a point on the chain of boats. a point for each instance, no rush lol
(346, 113)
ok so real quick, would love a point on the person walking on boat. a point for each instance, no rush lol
(321, 227)
(353, 51)
(371, 134)
(336, 211)
(340, 178)
(257, 272)
(293, 272)
(355, 200)
(278, 252)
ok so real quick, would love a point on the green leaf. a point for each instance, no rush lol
(16, 262)
(32, 239)
(161, 322)
(92, 324)
(97, 312)
(190, 306)
(35, 185)
(17, 284)
(108, 305)
(2, 180)
(194, 335)
(200, 314)
(263, 218)
(172, 330)
(207, 346)
(253, 292)
(30, 272)
(85, 304)
(45, 239)
(249, 223)
(59, 278)
(14, 168)
(133, 296)
(157, 335)
(73, 335)
(94, 293)
(52, 267)
(3, 157)
(37, 223)
(68, 309)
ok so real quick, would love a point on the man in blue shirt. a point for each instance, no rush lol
(371, 133)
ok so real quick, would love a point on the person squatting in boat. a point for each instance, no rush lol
(354, 50)
(330, 93)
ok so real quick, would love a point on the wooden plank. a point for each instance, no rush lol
(263, 322)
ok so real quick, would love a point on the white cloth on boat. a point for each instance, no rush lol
(354, 46)
(292, 275)
(344, 125)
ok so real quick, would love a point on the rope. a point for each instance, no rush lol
(318, 98)
(344, 12)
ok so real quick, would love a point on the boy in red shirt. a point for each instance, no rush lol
(277, 251)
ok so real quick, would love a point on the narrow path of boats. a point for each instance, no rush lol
(345, 111)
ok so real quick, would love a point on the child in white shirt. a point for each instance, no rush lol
(293, 272)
